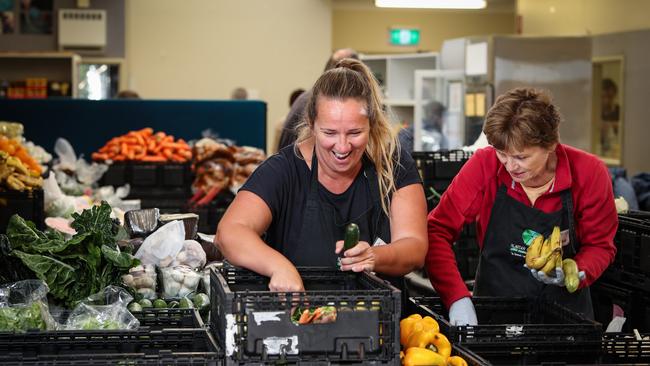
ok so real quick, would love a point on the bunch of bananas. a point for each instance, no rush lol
(545, 255)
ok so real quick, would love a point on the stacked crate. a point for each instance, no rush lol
(165, 336)
(626, 282)
(437, 170)
(521, 331)
(253, 325)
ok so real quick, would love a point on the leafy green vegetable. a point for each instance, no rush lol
(76, 268)
(21, 318)
(90, 323)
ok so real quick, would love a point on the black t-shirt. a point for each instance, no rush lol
(283, 182)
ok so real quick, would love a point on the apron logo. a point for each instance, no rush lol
(519, 250)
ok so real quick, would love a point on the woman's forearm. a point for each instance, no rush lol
(400, 257)
(243, 247)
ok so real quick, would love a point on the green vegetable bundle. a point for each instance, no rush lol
(76, 268)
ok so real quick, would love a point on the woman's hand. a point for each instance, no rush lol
(286, 279)
(358, 259)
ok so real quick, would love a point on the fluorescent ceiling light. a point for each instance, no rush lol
(431, 4)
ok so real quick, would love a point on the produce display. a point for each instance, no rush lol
(424, 344)
(546, 255)
(218, 167)
(17, 150)
(146, 146)
(15, 176)
(72, 268)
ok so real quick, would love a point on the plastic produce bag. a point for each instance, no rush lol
(103, 310)
(55, 202)
(23, 306)
(161, 247)
(179, 281)
(143, 280)
(192, 255)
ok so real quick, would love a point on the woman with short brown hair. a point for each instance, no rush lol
(523, 185)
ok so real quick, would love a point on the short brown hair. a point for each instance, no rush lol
(522, 117)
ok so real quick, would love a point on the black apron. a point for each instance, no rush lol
(501, 270)
(322, 225)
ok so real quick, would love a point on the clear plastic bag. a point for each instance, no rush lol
(179, 281)
(23, 306)
(104, 310)
(143, 280)
(162, 247)
(192, 255)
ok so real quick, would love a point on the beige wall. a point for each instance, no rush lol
(366, 29)
(582, 17)
(202, 49)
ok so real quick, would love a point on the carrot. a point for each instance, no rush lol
(99, 156)
(147, 131)
(304, 317)
(176, 145)
(167, 153)
(177, 158)
(154, 158)
(119, 158)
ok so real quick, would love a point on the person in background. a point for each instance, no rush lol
(289, 133)
(239, 94)
(524, 184)
(127, 94)
(280, 124)
(345, 167)
(609, 115)
(432, 137)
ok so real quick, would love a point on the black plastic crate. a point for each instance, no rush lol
(438, 168)
(633, 244)
(27, 204)
(115, 175)
(166, 180)
(169, 318)
(470, 357)
(605, 294)
(625, 348)
(254, 325)
(520, 330)
(174, 346)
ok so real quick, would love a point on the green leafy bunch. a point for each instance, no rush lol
(75, 268)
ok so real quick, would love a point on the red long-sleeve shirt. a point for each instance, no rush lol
(471, 195)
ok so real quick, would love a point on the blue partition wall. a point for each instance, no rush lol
(88, 125)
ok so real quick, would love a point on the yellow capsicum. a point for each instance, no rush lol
(415, 323)
(424, 338)
(416, 356)
(456, 361)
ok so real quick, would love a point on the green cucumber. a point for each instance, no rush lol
(351, 236)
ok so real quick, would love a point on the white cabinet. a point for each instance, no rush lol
(396, 74)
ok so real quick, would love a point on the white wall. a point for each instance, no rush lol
(582, 17)
(203, 49)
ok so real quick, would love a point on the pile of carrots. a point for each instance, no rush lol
(145, 145)
(15, 148)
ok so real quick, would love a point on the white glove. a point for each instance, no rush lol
(462, 312)
(558, 280)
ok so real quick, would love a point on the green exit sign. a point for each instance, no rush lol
(404, 37)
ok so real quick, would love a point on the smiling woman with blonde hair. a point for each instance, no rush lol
(346, 167)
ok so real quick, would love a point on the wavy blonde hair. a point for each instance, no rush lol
(352, 79)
